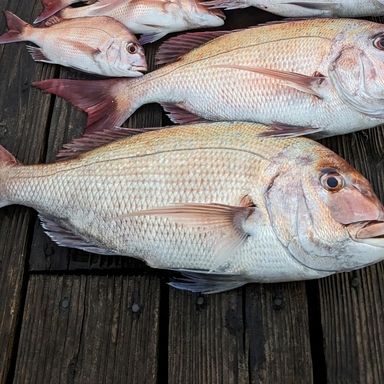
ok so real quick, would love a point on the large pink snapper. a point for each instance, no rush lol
(321, 76)
(307, 8)
(153, 19)
(213, 200)
(99, 45)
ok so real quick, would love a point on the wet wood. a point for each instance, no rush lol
(23, 125)
(89, 329)
(258, 334)
(352, 303)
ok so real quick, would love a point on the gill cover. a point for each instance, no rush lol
(355, 78)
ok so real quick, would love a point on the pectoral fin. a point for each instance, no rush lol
(287, 130)
(231, 223)
(303, 83)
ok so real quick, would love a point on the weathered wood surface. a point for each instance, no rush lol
(258, 334)
(23, 130)
(82, 328)
(89, 329)
(352, 304)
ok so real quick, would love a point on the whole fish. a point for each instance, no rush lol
(214, 201)
(99, 45)
(153, 19)
(307, 8)
(320, 76)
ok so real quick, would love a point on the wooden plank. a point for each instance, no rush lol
(89, 329)
(258, 334)
(277, 333)
(206, 338)
(23, 124)
(352, 303)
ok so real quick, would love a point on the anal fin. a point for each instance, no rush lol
(179, 115)
(37, 54)
(151, 37)
(65, 238)
(206, 283)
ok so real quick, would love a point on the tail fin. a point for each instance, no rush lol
(50, 7)
(6, 161)
(105, 101)
(16, 29)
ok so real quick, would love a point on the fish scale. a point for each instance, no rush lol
(308, 8)
(198, 79)
(204, 175)
(95, 45)
(321, 77)
(155, 18)
(110, 197)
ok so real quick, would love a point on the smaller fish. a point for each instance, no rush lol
(152, 19)
(98, 45)
(306, 8)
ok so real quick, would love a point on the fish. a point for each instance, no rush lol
(97, 45)
(307, 8)
(152, 19)
(213, 201)
(316, 77)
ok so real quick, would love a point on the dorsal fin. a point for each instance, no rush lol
(93, 140)
(175, 47)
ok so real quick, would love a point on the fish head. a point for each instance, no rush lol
(325, 212)
(125, 57)
(357, 68)
(199, 15)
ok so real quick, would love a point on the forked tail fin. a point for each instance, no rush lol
(51, 7)
(16, 29)
(107, 102)
(7, 161)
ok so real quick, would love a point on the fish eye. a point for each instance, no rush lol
(378, 42)
(332, 181)
(132, 48)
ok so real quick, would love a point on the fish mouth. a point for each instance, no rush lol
(371, 232)
(139, 68)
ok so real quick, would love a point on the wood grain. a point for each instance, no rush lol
(258, 334)
(352, 303)
(23, 125)
(89, 329)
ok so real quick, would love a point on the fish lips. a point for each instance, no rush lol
(370, 232)
(136, 71)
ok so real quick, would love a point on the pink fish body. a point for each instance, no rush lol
(214, 200)
(99, 45)
(319, 76)
(307, 8)
(153, 19)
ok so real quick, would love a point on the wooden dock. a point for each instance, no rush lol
(71, 317)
